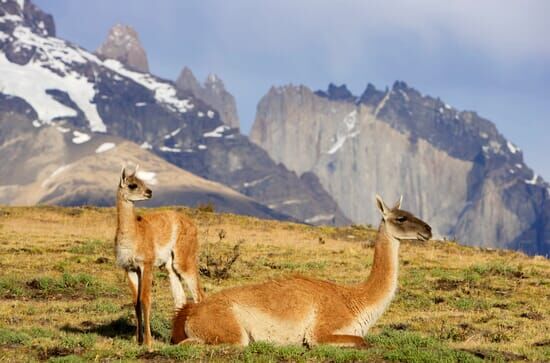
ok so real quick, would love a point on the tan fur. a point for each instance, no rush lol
(164, 239)
(302, 310)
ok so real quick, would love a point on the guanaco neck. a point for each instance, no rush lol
(126, 218)
(381, 284)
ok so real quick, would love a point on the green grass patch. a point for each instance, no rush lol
(69, 285)
(10, 337)
(87, 247)
(403, 346)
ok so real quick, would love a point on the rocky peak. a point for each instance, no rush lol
(337, 93)
(371, 95)
(123, 44)
(187, 80)
(212, 92)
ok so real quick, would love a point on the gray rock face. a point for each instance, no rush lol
(212, 92)
(454, 168)
(57, 85)
(123, 44)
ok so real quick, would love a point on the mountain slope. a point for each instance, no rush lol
(69, 87)
(57, 165)
(454, 168)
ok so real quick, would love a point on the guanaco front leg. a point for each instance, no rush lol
(146, 284)
(134, 282)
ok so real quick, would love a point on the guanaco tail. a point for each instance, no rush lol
(165, 239)
(302, 310)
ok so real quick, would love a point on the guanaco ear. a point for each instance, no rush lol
(398, 204)
(382, 207)
(136, 170)
(122, 176)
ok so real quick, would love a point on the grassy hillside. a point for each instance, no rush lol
(62, 298)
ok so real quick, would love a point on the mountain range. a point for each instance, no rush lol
(69, 118)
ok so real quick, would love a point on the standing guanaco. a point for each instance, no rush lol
(302, 310)
(164, 239)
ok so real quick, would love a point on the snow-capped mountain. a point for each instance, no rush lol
(453, 167)
(85, 95)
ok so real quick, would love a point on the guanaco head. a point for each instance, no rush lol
(401, 224)
(132, 188)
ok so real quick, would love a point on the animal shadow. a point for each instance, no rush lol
(120, 327)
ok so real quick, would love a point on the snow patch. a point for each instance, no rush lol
(170, 149)
(495, 146)
(62, 129)
(345, 131)
(534, 180)
(172, 134)
(405, 95)
(146, 145)
(104, 147)
(210, 114)
(292, 201)
(141, 104)
(202, 147)
(217, 132)
(319, 218)
(483, 135)
(80, 137)
(382, 103)
(513, 148)
(200, 114)
(36, 123)
(256, 182)
(149, 177)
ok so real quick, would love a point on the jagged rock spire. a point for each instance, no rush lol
(123, 44)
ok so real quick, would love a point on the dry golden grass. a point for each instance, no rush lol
(62, 297)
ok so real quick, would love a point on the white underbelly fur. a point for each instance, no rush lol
(261, 326)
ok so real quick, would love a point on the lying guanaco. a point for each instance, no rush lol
(164, 239)
(302, 310)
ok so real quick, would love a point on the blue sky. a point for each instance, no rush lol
(489, 56)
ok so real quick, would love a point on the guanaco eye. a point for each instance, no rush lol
(401, 219)
(132, 186)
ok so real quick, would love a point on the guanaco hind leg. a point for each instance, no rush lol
(175, 285)
(186, 267)
(212, 324)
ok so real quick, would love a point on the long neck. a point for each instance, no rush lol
(125, 216)
(382, 281)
